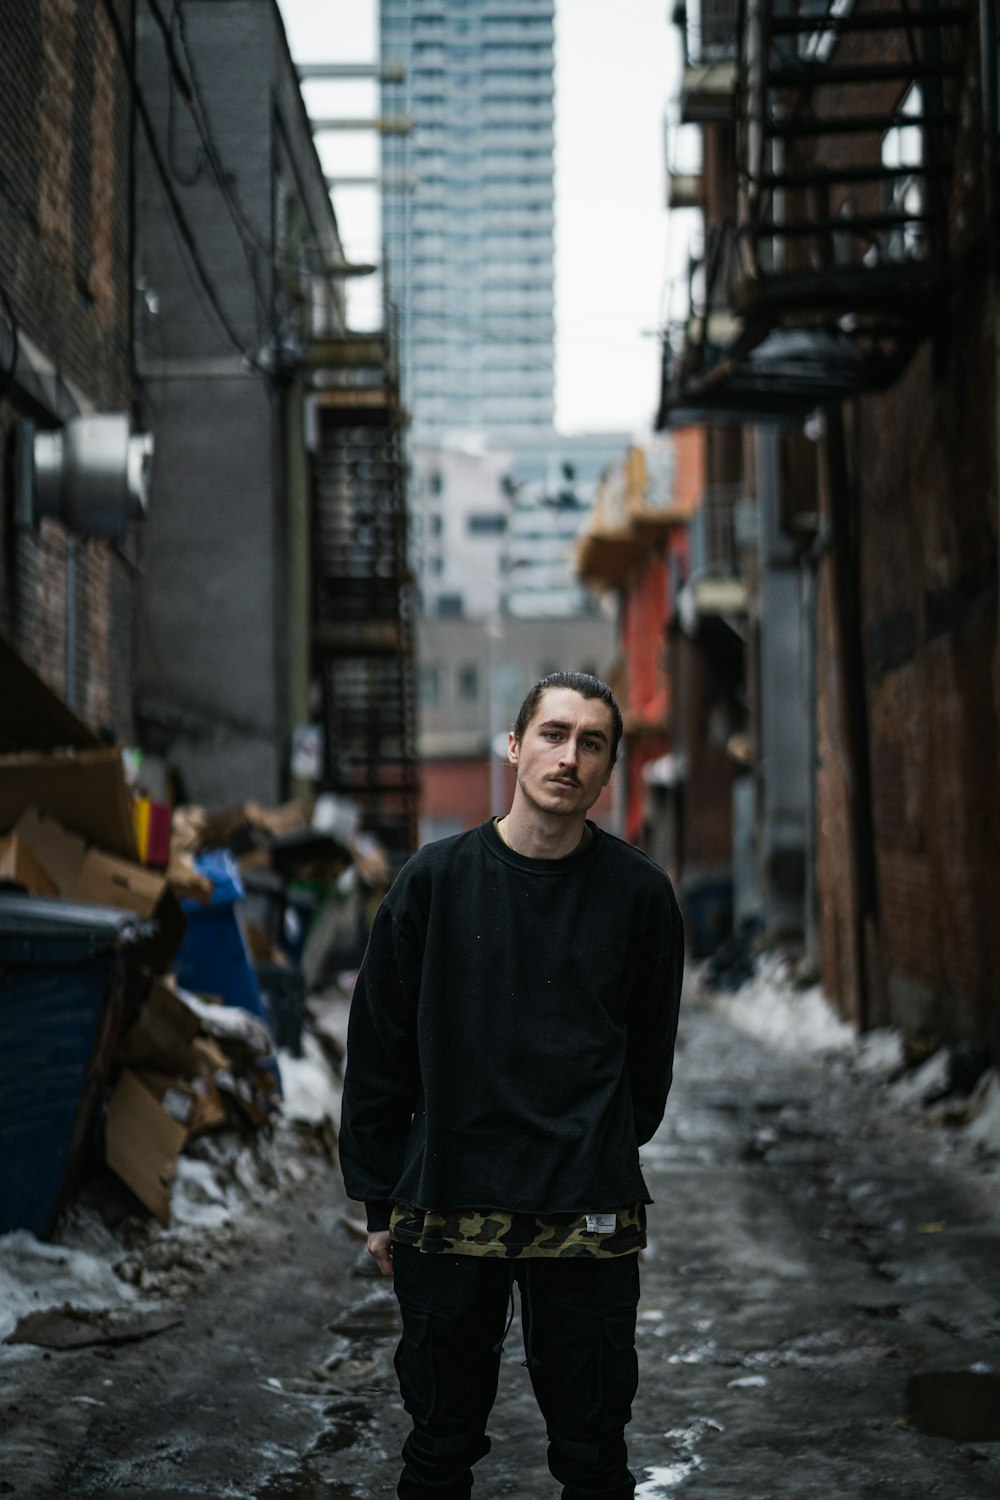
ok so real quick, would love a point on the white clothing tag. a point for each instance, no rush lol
(602, 1223)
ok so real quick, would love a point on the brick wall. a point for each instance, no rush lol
(929, 580)
(64, 266)
(924, 455)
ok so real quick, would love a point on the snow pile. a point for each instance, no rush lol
(920, 1084)
(34, 1276)
(881, 1054)
(310, 1089)
(770, 1008)
(983, 1130)
(787, 1019)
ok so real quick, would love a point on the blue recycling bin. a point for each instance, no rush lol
(213, 958)
(63, 987)
(707, 903)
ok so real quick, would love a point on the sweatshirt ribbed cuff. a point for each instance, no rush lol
(379, 1215)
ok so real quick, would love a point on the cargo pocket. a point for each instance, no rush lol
(414, 1364)
(618, 1371)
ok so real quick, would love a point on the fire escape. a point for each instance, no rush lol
(362, 640)
(834, 261)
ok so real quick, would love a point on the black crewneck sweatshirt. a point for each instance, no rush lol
(512, 1030)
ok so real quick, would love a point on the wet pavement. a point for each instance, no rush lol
(820, 1317)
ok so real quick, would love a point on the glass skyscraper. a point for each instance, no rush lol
(467, 211)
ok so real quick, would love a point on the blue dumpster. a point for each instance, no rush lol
(63, 985)
(213, 958)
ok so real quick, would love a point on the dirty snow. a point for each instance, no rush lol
(311, 1093)
(218, 1179)
(787, 1019)
(772, 1009)
(34, 1276)
(983, 1130)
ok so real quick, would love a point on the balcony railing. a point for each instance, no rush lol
(831, 266)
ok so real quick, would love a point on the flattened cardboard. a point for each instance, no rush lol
(209, 1057)
(59, 852)
(83, 874)
(160, 1038)
(185, 882)
(194, 1103)
(142, 1143)
(17, 863)
(85, 790)
(119, 882)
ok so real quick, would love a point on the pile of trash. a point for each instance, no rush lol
(155, 965)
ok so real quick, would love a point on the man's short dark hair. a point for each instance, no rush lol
(584, 683)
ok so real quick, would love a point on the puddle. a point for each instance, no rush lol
(879, 1309)
(304, 1484)
(959, 1404)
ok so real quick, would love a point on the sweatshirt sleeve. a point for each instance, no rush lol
(381, 1084)
(653, 1016)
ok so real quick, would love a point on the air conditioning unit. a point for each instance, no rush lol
(92, 475)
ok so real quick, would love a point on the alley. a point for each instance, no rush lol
(813, 1248)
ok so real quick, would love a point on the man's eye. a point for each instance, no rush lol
(591, 745)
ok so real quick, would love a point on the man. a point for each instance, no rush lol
(510, 1048)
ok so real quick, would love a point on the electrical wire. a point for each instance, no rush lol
(163, 173)
(251, 243)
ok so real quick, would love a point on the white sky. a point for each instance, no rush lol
(616, 66)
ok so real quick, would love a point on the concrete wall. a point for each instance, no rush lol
(213, 680)
(209, 660)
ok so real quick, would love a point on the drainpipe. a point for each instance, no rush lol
(845, 531)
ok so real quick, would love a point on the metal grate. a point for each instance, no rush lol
(362, 606)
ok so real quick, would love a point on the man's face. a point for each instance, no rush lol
(564, 757)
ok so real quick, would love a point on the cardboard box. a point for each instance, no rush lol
(185, 882)
(209, 1057)
(142, 1143)
(84, 790)
(194, 1103)
(17, 863)
(81, 873)
(160, 1038)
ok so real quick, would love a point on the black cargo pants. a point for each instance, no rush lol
(578, 1322)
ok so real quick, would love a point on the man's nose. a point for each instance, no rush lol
(570, 753)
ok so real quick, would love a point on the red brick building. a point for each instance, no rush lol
(843, 324)
(65, 318)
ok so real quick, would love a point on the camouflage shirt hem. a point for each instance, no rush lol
(500, 1234)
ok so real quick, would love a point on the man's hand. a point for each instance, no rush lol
(380, 1249)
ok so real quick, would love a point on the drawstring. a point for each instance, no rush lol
(498, 1348)
(530, 1360)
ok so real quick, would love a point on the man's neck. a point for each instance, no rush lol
(539, 836)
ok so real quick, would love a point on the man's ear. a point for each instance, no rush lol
(512, 748)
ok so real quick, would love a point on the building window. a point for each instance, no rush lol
(486, 523)
(467, 682)
(435, 482)
(450, 606)
(430, 684)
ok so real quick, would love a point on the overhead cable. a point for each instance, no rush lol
(163, 173)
